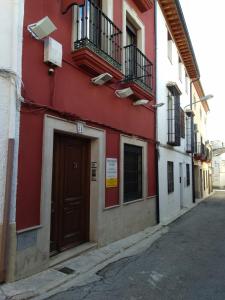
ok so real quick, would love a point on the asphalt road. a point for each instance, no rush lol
(186, 263)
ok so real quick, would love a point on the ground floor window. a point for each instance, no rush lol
(132, 172)
(133, 169)
(188, 174)
(170, 177)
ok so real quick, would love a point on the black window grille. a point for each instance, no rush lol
(174, 130)
(132, 172)
(188, 174)
(96, 31)
(204, 180)
(170, 177)
(188, 134)
(182, 123)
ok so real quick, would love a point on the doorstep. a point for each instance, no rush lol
(81, 249)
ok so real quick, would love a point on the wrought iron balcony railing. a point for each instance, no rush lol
(94, 30)
(200, 151)
(138, 68)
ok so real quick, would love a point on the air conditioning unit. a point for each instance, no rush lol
(124, 93)
(101, 79)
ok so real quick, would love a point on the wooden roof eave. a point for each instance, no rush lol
(175, 20)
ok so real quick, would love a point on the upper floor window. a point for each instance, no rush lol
(174, 128)
(169, 47)
(94, 30)
(186, 83)
(180, 66)
(188, 134)
(182, 123)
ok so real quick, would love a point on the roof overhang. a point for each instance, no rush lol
(173, 14)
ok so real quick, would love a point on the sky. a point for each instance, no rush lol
(205, 20)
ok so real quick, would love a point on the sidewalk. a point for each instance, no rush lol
(83, 268)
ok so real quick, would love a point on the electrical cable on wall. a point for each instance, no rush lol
(16, 80)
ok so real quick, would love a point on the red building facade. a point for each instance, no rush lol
(86, 156)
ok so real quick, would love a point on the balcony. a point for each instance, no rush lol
(200, 151)
(138, 70)
(97, 45)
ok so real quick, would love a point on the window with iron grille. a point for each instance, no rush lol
(132, 172)
(188, 174)
(204, 180)
(188, 135)
(186, 83)
(182, 124)
(170, 177)
(180, 69)
(173, 117)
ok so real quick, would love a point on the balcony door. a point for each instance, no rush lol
(95, 21)
(131, 56)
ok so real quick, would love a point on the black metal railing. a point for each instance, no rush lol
(208, 154)
(138, 68)
(198, 148)
(96, 31)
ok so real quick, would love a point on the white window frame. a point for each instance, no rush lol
(139, 143)
(186, 83)
(180, 69)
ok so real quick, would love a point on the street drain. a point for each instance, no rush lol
(66, 270)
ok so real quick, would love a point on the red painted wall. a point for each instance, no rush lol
(113, 151)
(70, 91)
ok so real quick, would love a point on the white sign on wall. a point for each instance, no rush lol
(111, 172)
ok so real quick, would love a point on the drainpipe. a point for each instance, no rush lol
(156, 112)
(192, 142)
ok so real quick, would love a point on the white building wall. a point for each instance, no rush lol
(170, 204)
(218, 165)
(11, 27)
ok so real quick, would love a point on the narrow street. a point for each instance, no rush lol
(186, 263)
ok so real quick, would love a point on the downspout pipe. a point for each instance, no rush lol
(192, 141)
(156, 112)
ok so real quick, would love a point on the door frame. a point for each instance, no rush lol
(97, 192)
(60, 140)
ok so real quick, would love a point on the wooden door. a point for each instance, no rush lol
(70, 193)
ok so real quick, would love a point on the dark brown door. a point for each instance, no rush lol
(70, 193)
